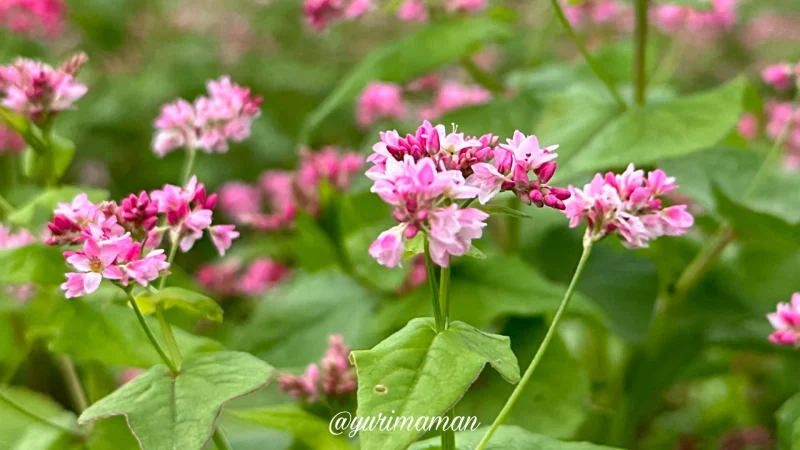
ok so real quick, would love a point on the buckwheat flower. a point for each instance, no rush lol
(226, 115)
(786, 321)
(72, 221)
(338, 377)
(453, 95)
(629, 204)
(380, 101)
(413, 11)
(36, 90)
(216, 278)
(320, 14)
(261, 276)
(149, 268)
(389, 247)
(10, 141)
(34, 18)
(464, 5)
(138, 213)
(304, 387)
(672, 19)
(748, 126)
(779, 76)
(238, 199)
(452, 231)
(222, 236)
(175, 128)
(95, 262)
(596, 12)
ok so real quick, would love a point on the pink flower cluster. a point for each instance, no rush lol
(34, 18)
(9, 240)
(226, 114)
(592, 12)
(453, 95)
(335, 378)
(781, 76)
(779, 116)
(786, 321)
(10, 141)
(285, 193)
(36, 90)
(116, 237)
(629, 204)
(380, 101)
(230, 278)
(672, 19)
(320, 14)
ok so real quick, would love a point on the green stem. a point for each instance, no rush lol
(166, 329)
(486, 80)
(32, 415)
(188, 164)
(444, 294)
(150, 334)
(587, 250)
(640, 56)
(437, 307)
(74, 387)
(6, 206)
(448, 435)
(220, 441)
(589, 60)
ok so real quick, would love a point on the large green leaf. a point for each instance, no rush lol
(500, 117)
(49, 166)
(417, 372)
(485, 290)
(184, 299)
(591, 141)
(40, 209)
(508, 438)
(18, 431)
(304, 426)
(411, 57)
(171, 412)
(788, 418)
(35, 263)
(111, 334)
(290, 326)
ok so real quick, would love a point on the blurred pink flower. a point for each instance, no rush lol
(748, 126)
(8, 239)
(262, 275)
(786, 321)
(34, 18)
(338, 377)
(320, 14)
(779, 76)
(596, 12)
(672, 19)
(465, 5)
(10, 141)
(380, 101)
(37, 90)
(453, 95)
(413, 11)
(303, 387)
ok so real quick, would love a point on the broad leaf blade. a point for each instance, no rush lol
(184, 299)
(509, 438)
(168, 412)
(35, 263)
(304, 426)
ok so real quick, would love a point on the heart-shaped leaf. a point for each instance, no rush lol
(184, 299)
(419, 372)
(168, 412)
(508, 438)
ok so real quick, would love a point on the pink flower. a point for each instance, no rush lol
(35, 18)
(786, 321)
(148, 268)
(673, 19)
(413, 11)
(217, 278)
(36, 90)
(628, 203)
(94, 263)
(338, 377)
(304, 387)
(748, 126)
(319, 14)
(465, 5)
(453, 95)
(175, 128)
(380, 101)
(9, 239)
(239, 199)
(452, 232)
(388, 249)
(262, 275)
(779, 76)
(10, 141)
(222, 236)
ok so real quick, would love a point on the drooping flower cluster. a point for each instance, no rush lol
(781, 76)
(208, 124)
(333, 377)
(786, 321)
(120, 242)
(629, 204)
(34, 18)
(231, 278)
(8, 240)
(672, 19)
(285, 193)
(38, 91)
(10, 141)
(596, 12)
(320, 14)
(380, 101)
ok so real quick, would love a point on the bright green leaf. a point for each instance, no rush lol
(18, 431)
(304, 426)
(184, 299)
(313, 248)
(788, 419)
(504, 211)
(168, 412)
(35, 263)
(40, 208)
(417, 372)
(508, 438)
(697, 5)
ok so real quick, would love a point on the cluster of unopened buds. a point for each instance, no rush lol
(209, 123)
(287, 193)
(34, 18)
(321, 14)
(630, 204)
(781, 77)
(786, 321)
(422, 176)
(333, 377)
(232, 277)
(37, 90)
(9, 240)
(120, 242)
(386, 101)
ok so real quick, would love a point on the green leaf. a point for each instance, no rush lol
(500, 116)
(111, 334)
(698, 5)
(290, 326)
(34, 263)
(504, 211)
(752, 226)
(313, 248)
(508, 438)
(403, 61)
(49, 164)
(639, 135)
(417, 372)
(168, 412)
(788, 419)
(40, 209)
(184, 299)
(18, 431)
(357, 245)
(304, 426)
(112, 434)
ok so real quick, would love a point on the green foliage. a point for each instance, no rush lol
(788, 418)
(40, 208)
(509, 438)
(306, 427)
(168, 411)
(419, 372)
(192, 302)
(32, 263)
